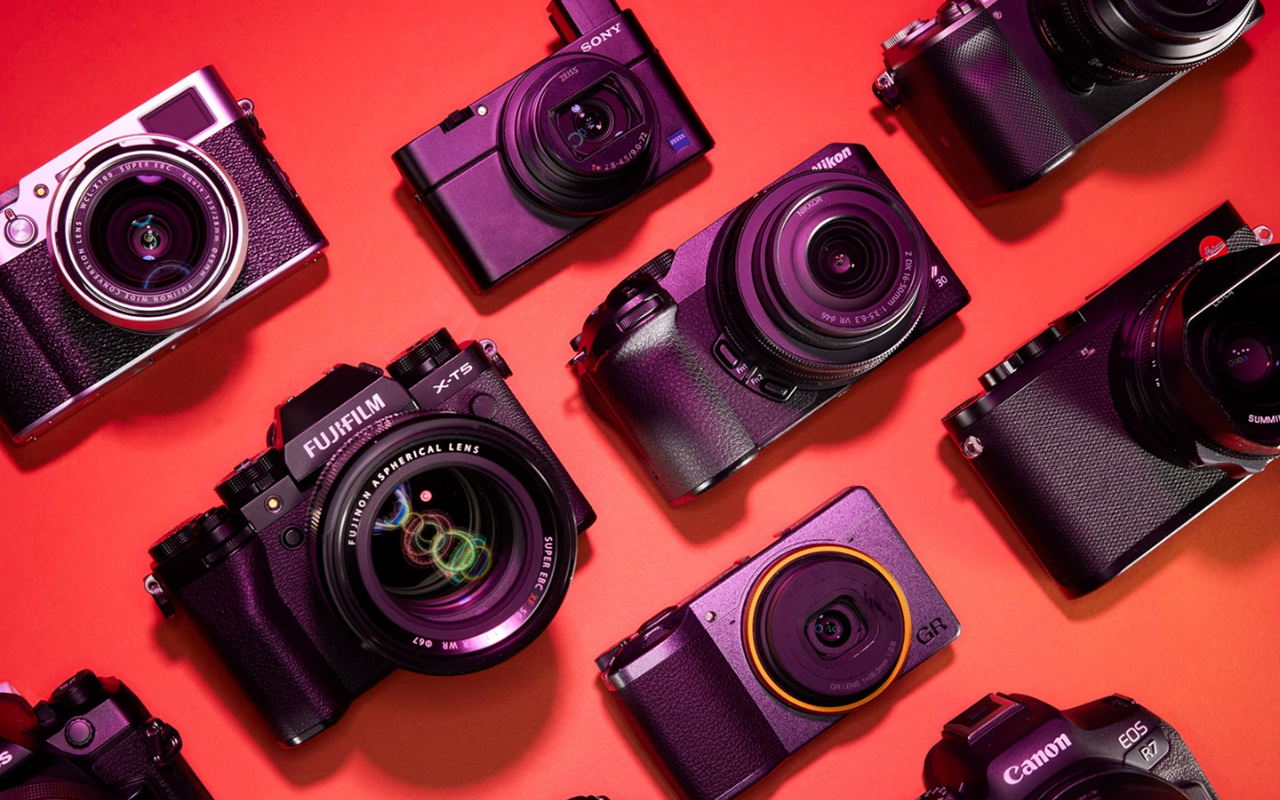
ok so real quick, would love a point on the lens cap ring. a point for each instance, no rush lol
(148, 199)
(557, 140)
(852, 669)
(504, 594)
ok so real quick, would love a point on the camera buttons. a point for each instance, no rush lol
(20, 231)
(80, 733)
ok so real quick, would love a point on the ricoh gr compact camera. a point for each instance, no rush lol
(753, 666)
(412, 519)
(1126, 418)
(537, 160)
(128, 243)
(1014, 747)
(93, 739)
(1005, 91)
(711, 351)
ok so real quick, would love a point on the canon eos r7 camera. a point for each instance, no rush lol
(1007, 90)
(752, 667)
(537, 160)
(117, 250)
(417, 520)
(1126, 418)
(1014, 747)
(92, 740)
(711, 351)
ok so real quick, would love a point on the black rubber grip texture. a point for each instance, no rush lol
(127, 764)
(1180, 766)
(698, 719)
(52, 349)
(54, 790)
(237, 608)
(983, 112)
(676, 419)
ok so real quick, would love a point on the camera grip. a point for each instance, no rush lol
(983, 112)
(130, 762)
(237, 608)
(681, 427)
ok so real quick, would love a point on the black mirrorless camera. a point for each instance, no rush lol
(539, 159)
(711, 351)
(726, 685)
(1125, 419)
(1014, 747)
(1006, 90)
(92, 740)
(415, 520)
(124, 246)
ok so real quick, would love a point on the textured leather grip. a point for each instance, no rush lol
(128, 764)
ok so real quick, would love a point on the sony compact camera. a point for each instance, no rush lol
(711, 351)
(1014, 747)
(752, 667)
(1128, 417)
(124, 245)
(92, 740)
(1006, 90)
(534, 162)
(415, 519)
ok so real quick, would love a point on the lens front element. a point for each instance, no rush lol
(825, 629)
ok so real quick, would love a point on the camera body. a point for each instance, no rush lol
(128, 243)
(1014, 747)
(689, 361)
(717, 705)
(1065, 434)
(539, 159)
(92, 740)
(321, 573)
(1005, 91)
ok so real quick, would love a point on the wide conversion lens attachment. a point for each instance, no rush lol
(578, 134)
(1121, 41)
(1200, 366)
(445, 543)
(149, 233)
(822, 276)
(825, 629)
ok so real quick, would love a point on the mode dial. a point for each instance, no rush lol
(416, 362)
(252, 478)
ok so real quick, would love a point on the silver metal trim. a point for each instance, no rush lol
(167, 344)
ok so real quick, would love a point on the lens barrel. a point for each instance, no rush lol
(1122, 41)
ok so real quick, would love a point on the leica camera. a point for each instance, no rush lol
(536, 161)
(92, 740)
(414, 518)
(711, 351)
(1014, 747)
(1005, 91)
(119, 249)
(753, 666)
(1128, 417)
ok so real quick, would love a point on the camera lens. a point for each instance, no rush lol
(1200, 365)
(150, 235)
(823, 276)
(446, 543)
(1111, 784)
(578, 133)
(826, 629)
(1121, 41)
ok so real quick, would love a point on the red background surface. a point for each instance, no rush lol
(339, 86)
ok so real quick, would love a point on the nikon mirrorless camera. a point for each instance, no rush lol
(533, 163)
(1014, 747)
(414, 518)
(92, 740)
(128, 243)
(727, 684)
(1126, 418)
(711, 351)
(1005, 91)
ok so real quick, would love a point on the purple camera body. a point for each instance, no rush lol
(126, 245)
(1005, 91)
(534, 162)
(711, 351)
(719, 707)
